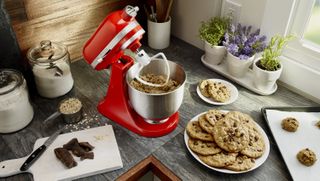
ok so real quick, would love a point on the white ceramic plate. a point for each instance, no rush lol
(258, 163)
(233, 93)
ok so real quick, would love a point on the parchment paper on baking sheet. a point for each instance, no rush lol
(290, 143)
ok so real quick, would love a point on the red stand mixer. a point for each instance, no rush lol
(149, 115)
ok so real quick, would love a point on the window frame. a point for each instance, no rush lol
(299, 49)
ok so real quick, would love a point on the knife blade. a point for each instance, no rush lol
(39, 151)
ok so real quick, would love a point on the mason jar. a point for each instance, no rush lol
(16, 111)
(51, 68)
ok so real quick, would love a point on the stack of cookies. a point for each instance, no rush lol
(230, 140)
(214, 90)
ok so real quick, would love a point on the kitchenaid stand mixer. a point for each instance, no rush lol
(120, 31)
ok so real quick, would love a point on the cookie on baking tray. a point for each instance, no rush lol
(290, 124)
(194, 130)
(307, 157)
(242, 163)
(219, 160)
(203, 147)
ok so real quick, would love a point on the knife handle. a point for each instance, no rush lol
(32, 158)
(11, 167)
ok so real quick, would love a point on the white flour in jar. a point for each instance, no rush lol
(49, 84)
(16, 111)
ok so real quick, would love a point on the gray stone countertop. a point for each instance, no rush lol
(90, 86)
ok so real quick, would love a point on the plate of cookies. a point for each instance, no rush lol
(217, 91)
(227, 141)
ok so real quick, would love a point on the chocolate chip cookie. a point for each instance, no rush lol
(194, 130)
(307, 157)
(219, 160)
(213, 116)
(204, 124)
(231, 135)
(218, 91)
(290, 124)
(256, 146)
(203, 86)
(242, 163)
(203, 147)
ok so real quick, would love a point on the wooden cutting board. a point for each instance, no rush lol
(48, 167)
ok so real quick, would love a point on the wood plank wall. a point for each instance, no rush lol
(70, 22)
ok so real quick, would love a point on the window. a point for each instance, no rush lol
(305, 49)
(301, 59)
(312, 32)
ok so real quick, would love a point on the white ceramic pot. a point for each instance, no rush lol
(159, 34)
(214, 54)
(237, 67)
(263, 79)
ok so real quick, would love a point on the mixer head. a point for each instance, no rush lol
(118, 31)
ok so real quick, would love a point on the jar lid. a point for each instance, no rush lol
(46, 52)
(9, 80)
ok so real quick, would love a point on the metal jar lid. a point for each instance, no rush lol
(10, 79)
(46, 52)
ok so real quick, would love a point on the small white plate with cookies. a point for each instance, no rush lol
(217, 91)
(206, 150)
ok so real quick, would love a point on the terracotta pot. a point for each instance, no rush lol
(214, 54)
(237, 67)
(264, 79)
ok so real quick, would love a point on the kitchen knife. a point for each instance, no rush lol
(38, 152)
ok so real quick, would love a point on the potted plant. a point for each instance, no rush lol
(242, 45)
(267, 69)
(212, 32)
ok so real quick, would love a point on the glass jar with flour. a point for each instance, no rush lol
(51, 69)
(16, 111)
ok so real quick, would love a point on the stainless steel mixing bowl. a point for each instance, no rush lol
(156, 108)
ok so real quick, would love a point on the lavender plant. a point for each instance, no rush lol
(243, 43)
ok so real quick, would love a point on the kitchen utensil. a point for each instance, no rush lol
(16, 111)
(233, 93)
(68, 118)
(154, 16)
(51, 68)
(168, 9)
(146, 11)
(289, 144)
(120, 31)
(258, 162)
(152, 106)
(48, 167)
(39, 151)
(161, 10)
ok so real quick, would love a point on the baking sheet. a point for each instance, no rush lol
(307, 136)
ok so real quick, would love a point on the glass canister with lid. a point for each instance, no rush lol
(16, 111)
(51, 68)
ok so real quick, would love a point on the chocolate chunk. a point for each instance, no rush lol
(86, 146)
(65, 157)
(71, 144)
(74, 147)
(87, 155)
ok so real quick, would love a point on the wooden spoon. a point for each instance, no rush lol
(160, 10)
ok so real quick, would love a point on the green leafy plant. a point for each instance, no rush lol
(214, 29)
(270, 57)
